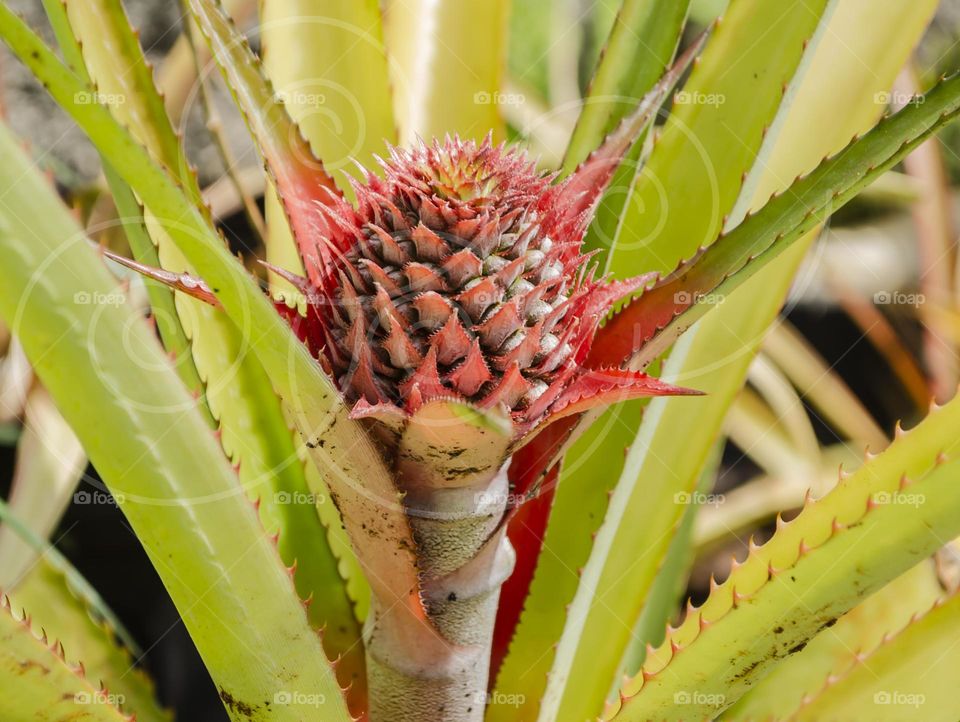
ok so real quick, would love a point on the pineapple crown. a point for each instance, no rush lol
(458, 276)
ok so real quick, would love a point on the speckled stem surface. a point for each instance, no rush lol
(462, 571)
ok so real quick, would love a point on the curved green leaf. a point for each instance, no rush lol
(581, 501)
(859, 631)
(757, 501)
(349, 567)
(163, 302)
(909, 676)
(60, 567)
(326, 60)
(644, 38)
(849, 68)
(135, 420)
(66, 617)
(724, 67)
(128, 208)
(669, 453)
(111, 55)
(446, 63)
(642, 41)
(660, 315)
(671, 581)
(528, 46)
(253, 430)
(39, 684)
(328, 63)
(893, 512)
(724, 120)
(355, 473)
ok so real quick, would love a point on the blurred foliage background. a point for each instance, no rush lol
(852, 334)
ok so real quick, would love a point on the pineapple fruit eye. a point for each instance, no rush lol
(477, 288)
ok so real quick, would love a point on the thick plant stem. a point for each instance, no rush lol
(462, 570)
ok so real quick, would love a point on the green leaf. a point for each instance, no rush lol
(297, 174)
(336, 98)
(668, 454)
(705, 11)
(722, 121)
(254, 432)
(877, 523)
(349, 567)
(56, 565)
(135, 419)
(757, 501)
(671, 581)
(643, 38)
(67, 618)
(128, 208)
(530, 37)
(848, 69)
(581, 501)
(446, 62)
(859, 631)
(909, 676)
(39, 684)
(642, 42)
(102, 33)
(596, 31)
(354, 470)
(673, 305)
(327, 61)
(162, 300)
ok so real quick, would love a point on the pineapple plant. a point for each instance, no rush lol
(451, 346)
